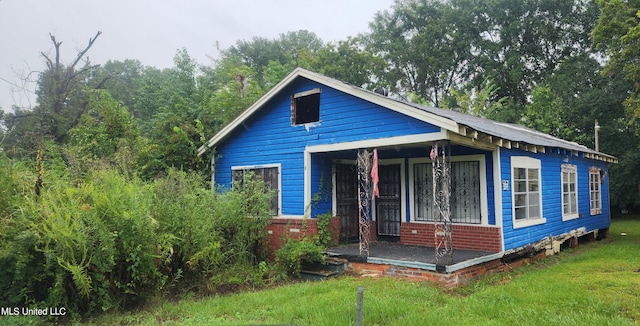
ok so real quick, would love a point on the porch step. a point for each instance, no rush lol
(317, 275)
(332, 267)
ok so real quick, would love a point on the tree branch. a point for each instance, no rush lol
(83, 52)
(57, 47)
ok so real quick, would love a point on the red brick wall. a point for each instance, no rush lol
(373, 231)
(471, 237)
(282, 229)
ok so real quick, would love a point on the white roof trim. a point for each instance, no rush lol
(391, 104)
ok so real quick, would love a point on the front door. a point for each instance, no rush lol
(388, 205)
(347, 201)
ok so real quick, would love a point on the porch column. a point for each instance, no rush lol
(364, 200)
(441, 164)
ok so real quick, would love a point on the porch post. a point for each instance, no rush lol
(441, 165)
(364, 200)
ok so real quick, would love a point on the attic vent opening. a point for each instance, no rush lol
(305, 107)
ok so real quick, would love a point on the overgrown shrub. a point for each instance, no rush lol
(184, 209)
(294, 252)
(110, 241)
(291, 256)
(220, 235)
(99, 241)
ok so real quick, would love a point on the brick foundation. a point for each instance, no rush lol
(472, 237)
(282, 229)
(448, 280)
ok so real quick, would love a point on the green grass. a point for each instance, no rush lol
(595, 284)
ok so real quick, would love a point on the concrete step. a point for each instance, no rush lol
(331, 267)
(318, 275)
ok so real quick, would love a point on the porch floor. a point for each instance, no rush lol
(392, 253)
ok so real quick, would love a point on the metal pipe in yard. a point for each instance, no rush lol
(597, 131)
(359, 306)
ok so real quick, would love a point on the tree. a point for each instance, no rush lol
(520, 43)
(60, 102)
(432, 47)
(105, 128)
(175, 101)
(479, 100)
(260, 51)
(235, 88)
(347, 61)
(544, 113)
(425, 46)
(617, 33)
(153, 96)
(122, 79)
(587, 95)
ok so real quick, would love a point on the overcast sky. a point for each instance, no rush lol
(152, 30)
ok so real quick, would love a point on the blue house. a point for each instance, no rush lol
(512, 188)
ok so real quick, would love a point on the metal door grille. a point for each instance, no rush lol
(347, 201)
(388, 208)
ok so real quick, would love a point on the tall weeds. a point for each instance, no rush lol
(110, 241)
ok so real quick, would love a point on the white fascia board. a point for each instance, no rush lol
(378, 142)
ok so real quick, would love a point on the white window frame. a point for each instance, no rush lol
(526, 162)
(566, 171)
(484, 206)
(595, 181)
(265, 166)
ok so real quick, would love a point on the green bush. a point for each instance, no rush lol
(110, 241)
(293, 253)
(291, 256)
(214, 231)
(184, 209)
(100, 242)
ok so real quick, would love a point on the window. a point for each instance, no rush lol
(465, 192)
(305, 107)
(595, 193)
(527, 202)
(270, 175)
(569, 192)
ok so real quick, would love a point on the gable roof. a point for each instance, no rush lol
(498, 133)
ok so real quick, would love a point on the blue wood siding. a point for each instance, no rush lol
(269, 138)
(551, 189)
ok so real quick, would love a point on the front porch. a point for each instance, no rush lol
(381, 252)
(405, 208)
